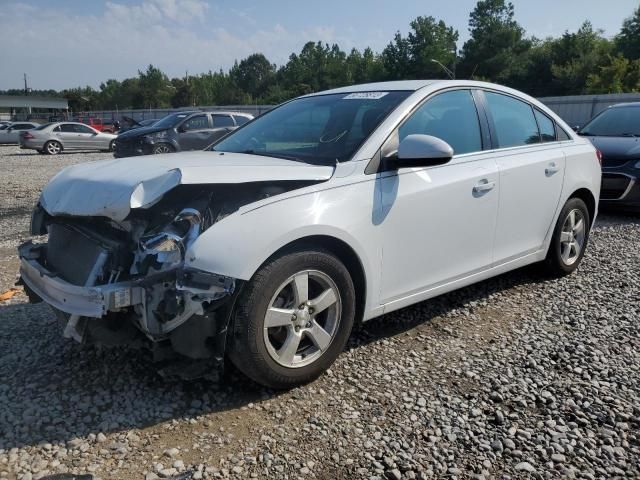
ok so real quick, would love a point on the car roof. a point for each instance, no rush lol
(227, 112)
(398, 85)
(629, 104)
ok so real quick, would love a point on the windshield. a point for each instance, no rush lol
(318, 130)
(614, 122)
(171, 120)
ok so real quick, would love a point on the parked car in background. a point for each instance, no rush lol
(179, 132)
(616, 133)
(53, 138)
(11, 132)
(106, 126)
(333, 208)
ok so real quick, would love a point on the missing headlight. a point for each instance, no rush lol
(165, 249)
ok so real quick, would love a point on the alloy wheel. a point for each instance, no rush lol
(162, 149)
(302, 318)
(572, 237)
(53, 148)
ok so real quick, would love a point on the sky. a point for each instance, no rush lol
(68, 43)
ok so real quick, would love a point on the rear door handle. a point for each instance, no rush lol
(551, 169)
(483, 186)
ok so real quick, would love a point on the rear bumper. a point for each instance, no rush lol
(82, 301)
(31, 145)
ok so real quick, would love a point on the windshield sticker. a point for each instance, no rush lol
(365, 96)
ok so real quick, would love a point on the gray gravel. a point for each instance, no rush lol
(516, 377)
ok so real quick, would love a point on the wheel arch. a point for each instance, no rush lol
(588, 198)
(344, 252)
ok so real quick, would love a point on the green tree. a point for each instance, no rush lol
(155, 90)
(617, 75)
(575, 57)
(253, 74)
(497, 45)
(628, 40)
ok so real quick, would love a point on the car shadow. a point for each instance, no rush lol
(54, 390)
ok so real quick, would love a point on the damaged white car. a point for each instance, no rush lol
(333, 208)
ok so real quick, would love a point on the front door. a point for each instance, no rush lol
(438, 223)
(195, 132)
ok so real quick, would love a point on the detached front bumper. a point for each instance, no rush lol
(82, 301)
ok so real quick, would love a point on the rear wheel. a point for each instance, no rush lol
(570, 238)
(293, 319)
(52, 147)
(162, 148)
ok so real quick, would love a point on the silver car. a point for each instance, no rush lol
(11, 132)
(52, 138)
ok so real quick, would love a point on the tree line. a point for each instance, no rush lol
(498, 50)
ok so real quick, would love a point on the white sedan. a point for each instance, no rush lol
(330, 209)
(10, 133)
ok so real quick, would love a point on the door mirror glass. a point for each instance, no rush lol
(418, 150)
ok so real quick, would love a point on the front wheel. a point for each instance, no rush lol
(162, 148)
(570, 238)
(293, 319)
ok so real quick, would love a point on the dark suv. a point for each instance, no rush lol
(179, 132)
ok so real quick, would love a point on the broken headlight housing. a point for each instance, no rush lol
(155, 137)
(165, 249)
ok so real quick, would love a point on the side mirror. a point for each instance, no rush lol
(422, 151)
(576, 128)
(181, 129)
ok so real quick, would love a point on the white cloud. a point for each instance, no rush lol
(59, 50)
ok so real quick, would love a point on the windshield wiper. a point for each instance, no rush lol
(273, 155)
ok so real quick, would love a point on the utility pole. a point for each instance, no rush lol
(26, 89)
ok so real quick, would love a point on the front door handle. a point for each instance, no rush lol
(484, 186)
(551, 169)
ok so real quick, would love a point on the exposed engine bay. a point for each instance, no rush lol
(125, 282)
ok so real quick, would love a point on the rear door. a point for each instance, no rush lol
(66, 133)
(531, 165)
(222, 124)
(195, 132)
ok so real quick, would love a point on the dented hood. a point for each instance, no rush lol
(111, 188)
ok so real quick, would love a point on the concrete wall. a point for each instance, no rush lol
(579, 109)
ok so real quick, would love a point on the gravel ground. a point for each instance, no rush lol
(516, 377)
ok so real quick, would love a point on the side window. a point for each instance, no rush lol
(562, 135)
(545, 124)
(83, 129)
(57, 129)
(68, 128)
(22, 126)
(450, 116)
(223, 121)
(513, 119)
(240, 120)
(199, 122)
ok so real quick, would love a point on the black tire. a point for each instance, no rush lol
(163, 148)
(112, 145)
(554, 263)
(52, 147)
(247, 348)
